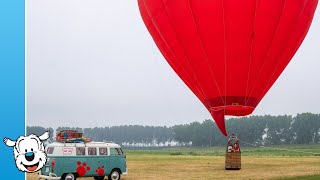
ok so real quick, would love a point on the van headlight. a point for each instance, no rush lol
(47, 169)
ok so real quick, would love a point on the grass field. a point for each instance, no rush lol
(281, 162)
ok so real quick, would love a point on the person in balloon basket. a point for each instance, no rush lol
(230, 146)
(236, 147)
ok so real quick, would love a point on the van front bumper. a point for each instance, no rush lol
(51, 176)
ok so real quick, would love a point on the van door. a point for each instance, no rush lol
(93, 161)
(117, 159)
(104, 167)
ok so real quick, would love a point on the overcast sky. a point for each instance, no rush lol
(93, 63)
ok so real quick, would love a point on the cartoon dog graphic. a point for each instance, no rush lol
(29, 152)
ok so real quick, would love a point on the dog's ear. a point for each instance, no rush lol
(9, 142)
(44, 136)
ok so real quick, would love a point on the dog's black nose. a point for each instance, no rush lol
(29, 156)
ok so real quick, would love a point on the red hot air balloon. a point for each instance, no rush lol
(228, 52)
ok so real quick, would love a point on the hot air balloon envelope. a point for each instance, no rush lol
(228, 52)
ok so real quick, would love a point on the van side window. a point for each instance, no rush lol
(92, 151)
(50, 150)
(115, 151)
(81, 151)
(103, 151)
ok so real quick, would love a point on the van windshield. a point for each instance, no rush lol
(115, 151)
(120, 152)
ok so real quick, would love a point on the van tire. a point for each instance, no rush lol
(67, 176)
(114, 175)
(99, 177)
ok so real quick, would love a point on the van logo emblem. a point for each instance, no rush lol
(67, 151)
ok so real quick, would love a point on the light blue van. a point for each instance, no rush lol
(69, 161)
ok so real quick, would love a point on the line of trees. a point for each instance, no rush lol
(38, 130)
(260, 130)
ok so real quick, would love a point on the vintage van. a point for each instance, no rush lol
(68, 161)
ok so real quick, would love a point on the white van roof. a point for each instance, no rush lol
(82, 144)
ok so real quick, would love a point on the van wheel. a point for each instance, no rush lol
(99, 177)
(69, 176)
(114, 175)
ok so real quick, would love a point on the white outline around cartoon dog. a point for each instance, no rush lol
(29, 152)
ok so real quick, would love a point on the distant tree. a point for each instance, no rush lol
(37, 130)
(208, 132)
(279, 130)
(306, 127)
(182, 133)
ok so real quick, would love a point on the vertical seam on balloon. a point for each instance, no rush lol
(165, 10)
(225, 53)
(302, 12)
(163, 39)
(251, 48)
(267, 55)
(203, 50)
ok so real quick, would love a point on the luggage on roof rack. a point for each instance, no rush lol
(71, 136)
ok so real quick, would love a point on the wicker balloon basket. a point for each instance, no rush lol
(233, 154)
